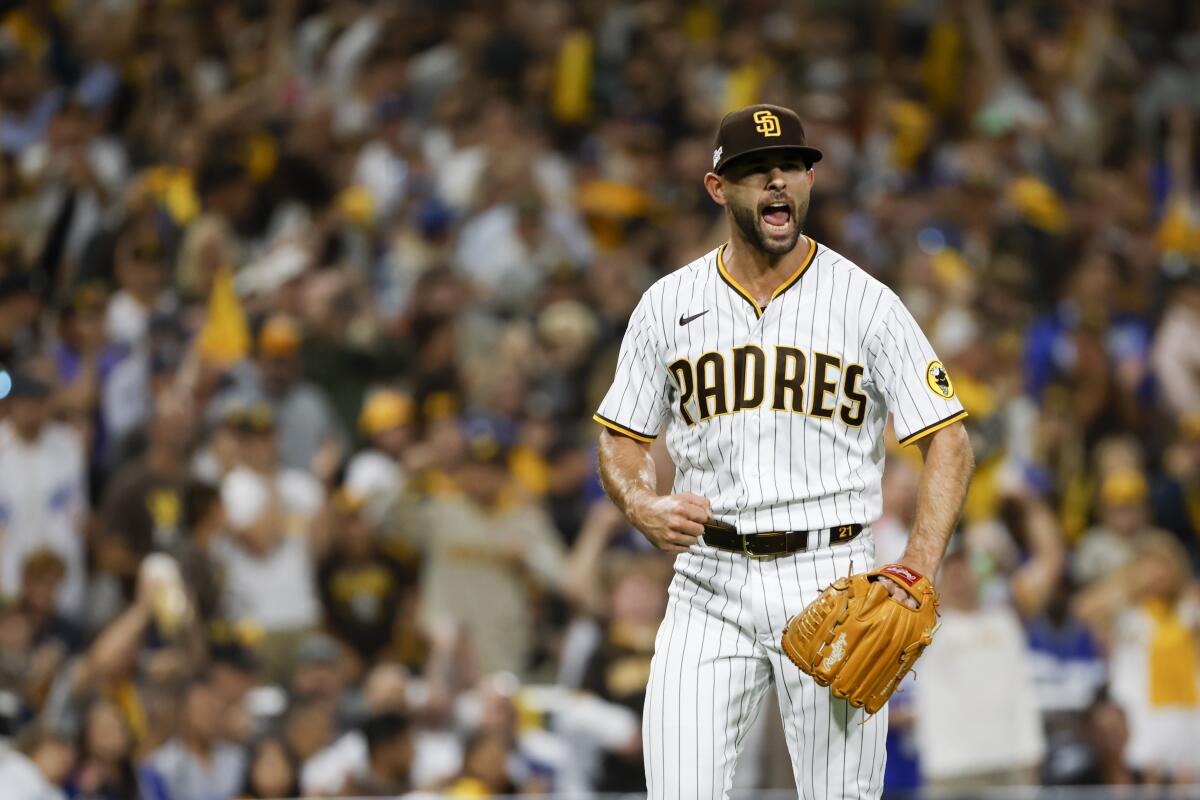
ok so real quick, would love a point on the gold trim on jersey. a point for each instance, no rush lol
(937, 426)
(619, 428)
(783, 287)
(808, 259)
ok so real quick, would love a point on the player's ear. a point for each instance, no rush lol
(715, 188)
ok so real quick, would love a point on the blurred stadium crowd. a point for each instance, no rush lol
(306, 306)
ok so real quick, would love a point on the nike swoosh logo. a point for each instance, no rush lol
(685, 320)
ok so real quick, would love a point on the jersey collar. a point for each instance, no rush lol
(783, 287)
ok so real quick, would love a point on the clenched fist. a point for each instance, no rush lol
(671, 522)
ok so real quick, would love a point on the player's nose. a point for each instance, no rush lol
(776, 179)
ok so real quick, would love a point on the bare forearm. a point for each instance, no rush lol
(1034, 582)
(583, 586)
(116, 646)
(671, 522)
(626, 471)
(940, 495)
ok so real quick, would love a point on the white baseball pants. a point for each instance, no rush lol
(716, 655)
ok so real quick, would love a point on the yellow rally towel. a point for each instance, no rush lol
(125, 695)
(24, 30)
(225, 337)
(1173, 661)
(1179, 231)
(912, 125)
(744, 85)
(1038, 203)
(941, 66)
(530, 469)
(571, 100)
(701, 24)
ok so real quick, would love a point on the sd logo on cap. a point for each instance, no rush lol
(757, 128)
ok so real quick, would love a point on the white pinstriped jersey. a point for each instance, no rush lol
(777, 414)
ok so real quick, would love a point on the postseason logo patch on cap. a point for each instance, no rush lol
(717, 155)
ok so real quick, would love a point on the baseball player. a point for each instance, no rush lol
(771, 364)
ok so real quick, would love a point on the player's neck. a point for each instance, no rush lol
(759, 272)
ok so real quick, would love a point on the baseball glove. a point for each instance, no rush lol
(857, 640)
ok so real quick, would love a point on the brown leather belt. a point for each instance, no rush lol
(724, 536)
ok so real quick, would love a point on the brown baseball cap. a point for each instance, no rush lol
(757, 128)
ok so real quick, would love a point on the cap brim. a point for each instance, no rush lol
(811, 155)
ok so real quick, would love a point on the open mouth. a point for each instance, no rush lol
(777, 217)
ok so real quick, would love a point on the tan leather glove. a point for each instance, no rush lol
(858, 640)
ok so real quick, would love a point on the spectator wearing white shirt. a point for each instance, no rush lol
(1176, 353)
(508, 250)
(43, 491)
(78, 173)
(269, 510)
(379, 472)
(975, 701)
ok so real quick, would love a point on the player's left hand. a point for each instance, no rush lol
(898, 594)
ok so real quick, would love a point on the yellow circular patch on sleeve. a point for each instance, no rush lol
(939, 380)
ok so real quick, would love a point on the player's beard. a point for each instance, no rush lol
(749, 222)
